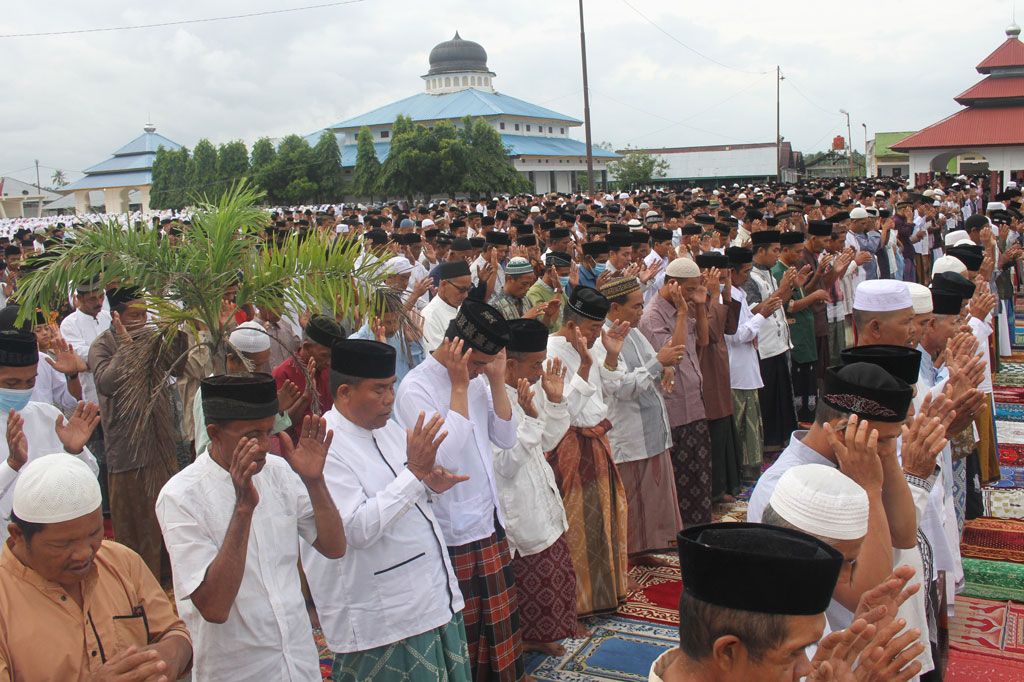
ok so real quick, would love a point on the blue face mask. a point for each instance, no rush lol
(14, 399)
(564, 281)
(598, 268)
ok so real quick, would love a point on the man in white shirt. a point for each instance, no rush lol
(661, 249)
(467, 388)
(81, 328)
(455, 281)
(534, 515)
(231, 522)
(391, 607)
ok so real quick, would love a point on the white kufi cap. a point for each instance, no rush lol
(399, 265)
(921, 296)
(955, 236)
(56, 488)
(822, 501)
(250, 337)
(881, 296)
(683, 268)
(949, 264)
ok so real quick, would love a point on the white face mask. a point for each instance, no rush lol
(721, 287)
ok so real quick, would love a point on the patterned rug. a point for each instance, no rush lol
(1010, 477)
(618, 649)
(1009, 432)
(998, 580)
(988, 627)
(1013, 412)
(1002, 503)
(1011, 453)
(326, 655)
(657, 600)
(970, 667)
(993, 539)
(1008, 394)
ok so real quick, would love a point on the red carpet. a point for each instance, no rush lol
(993, 539)
(970, 667)
(1011, 454)
(657, 601)
(988, 628)
(1008, 394)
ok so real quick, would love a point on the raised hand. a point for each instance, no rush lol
(536, 311)
(525, 397)
(308, 456)
(983, 300)
(614, 338)
(669, 355)
(226, 312)
(119, 331)
(603, 278)
(414, 330)
(924, 439)
(879, 605)
(455, 361)
(243, 468)
(495, 369)
(379, 334)
(804, 275)
(649, 271)
(574, 275)
(75, 434)
(552, 380)
(17, 442)
(857, 452)
(65, 360)
(287, 396)
(668, 379)
(837, 653)
(440, 479)
(580, 345)
(421, 445)
(700, 296)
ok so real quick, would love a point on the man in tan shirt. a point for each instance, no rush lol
(74, 606)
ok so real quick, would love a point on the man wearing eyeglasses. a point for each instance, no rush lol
(455, 282)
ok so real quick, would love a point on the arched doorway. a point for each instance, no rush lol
(965, 161)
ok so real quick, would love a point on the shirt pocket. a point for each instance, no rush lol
(130, 630)
(395, 581)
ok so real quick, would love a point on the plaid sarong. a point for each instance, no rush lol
(491, 615)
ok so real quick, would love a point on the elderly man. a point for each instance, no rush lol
(315, 356)
(391, 608)
(231, 521)
(552, 285)
(74, 606)
(511, 301)
(455, 282)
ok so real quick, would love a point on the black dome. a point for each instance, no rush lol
(457, 55)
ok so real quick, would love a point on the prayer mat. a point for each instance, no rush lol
(618, 650)
(1010, 477)
(1002, 503)
(971, 667)
(998, 580)
(1008, 394)
(1013, 412)
(1008, 378)
(1011, 454)
(657, 600)
(325, 654)
(993, 539)
(1009, 432)
(988, 627)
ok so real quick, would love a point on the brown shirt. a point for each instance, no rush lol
(714, 359)
(820, 308)
(44, 635)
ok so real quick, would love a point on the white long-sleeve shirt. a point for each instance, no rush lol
(636, 407)
(80, 330)
(52, 387)
(530, 502)
(744, 362)
(466, 512)
(586, 399)
(396, 579)
(436, 317)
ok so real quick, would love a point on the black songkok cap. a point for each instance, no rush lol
(595, 249)
(376, 237)
(122, 295)
(461, 244)
(724, 228)
(946, 302)
(704, 218)
(559, 259)
(550, 225)
(867, 390)
(639, 237)
(771, 222)
(497, 239)
(323, 330)
(712, 259)
(481, 327)
(527, 335)
(90, 285)
(901, 362)
(970, 256)
(526, 240)
(765, 237)
(589, 303)
(363, 358)
(661, 235)
(557, 233)
(452, 269)
(237, 397)
(839, 217)
(18, 349)
(791, 238)
(690, 229)
(740, 566)
(739, 255)
(819, 228)
(619, 241)
(975, 222)
(477, 242)
(954, 283)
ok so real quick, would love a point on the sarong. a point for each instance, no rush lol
(824, 355)
(909, 269)
(778, 419)
(805, 390)
(691, 460)
(650, 487)
(988, 454)
(746, 408)
(726, 458)
(546, 588)
(595, 505)
(491, 615)
(836, 338)
(438, 655)
(133, 514)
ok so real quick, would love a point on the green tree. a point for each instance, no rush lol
(264, 165)
(169, 179)
(330, 183)
(400, 172)
(232, 165)
(637, 168)
(294, 165)
(201, 175)
(488, 170)
(366, 175)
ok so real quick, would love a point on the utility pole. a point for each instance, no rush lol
(39, 187)
(865, 149)
(849, 140)
(586, 106)
(778, 138)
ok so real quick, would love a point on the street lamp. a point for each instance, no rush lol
(849, 137)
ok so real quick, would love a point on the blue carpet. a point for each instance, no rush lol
(618, 649)
(1010, 411)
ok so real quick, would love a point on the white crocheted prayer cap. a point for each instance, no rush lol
(56, 488)
(921, 296)
(956, 235)
(822, 501)
(949, 264)
(250, 337)
(881, 296)
(399, 265)
(683, 268)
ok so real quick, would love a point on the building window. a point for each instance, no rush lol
(517, 126)
(563, 130)
(447, 81)
(465, 80)
(502, 125)
(385, 134)
(527, 127)
(550, 130)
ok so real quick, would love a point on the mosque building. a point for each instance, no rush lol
(458, 84)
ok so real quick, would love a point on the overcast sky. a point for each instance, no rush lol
(70, 100)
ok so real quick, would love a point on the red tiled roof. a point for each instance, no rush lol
(992, 88)
(1010, 53)
(971, 127)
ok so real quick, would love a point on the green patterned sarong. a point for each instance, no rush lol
(747, 412)
(439, 655)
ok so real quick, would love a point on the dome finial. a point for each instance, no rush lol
(149, 128)
(1012, 31)
(457, 36)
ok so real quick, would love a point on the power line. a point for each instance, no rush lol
(691, 49)
(179, 23)
(672, 121)
(789, 82)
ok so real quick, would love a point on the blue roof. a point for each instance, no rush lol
(521, 145)
(147, 142)
(123, 163)
(105, 180)
(469, 102)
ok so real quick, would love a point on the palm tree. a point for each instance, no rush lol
(185, 286)
(58, 178)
